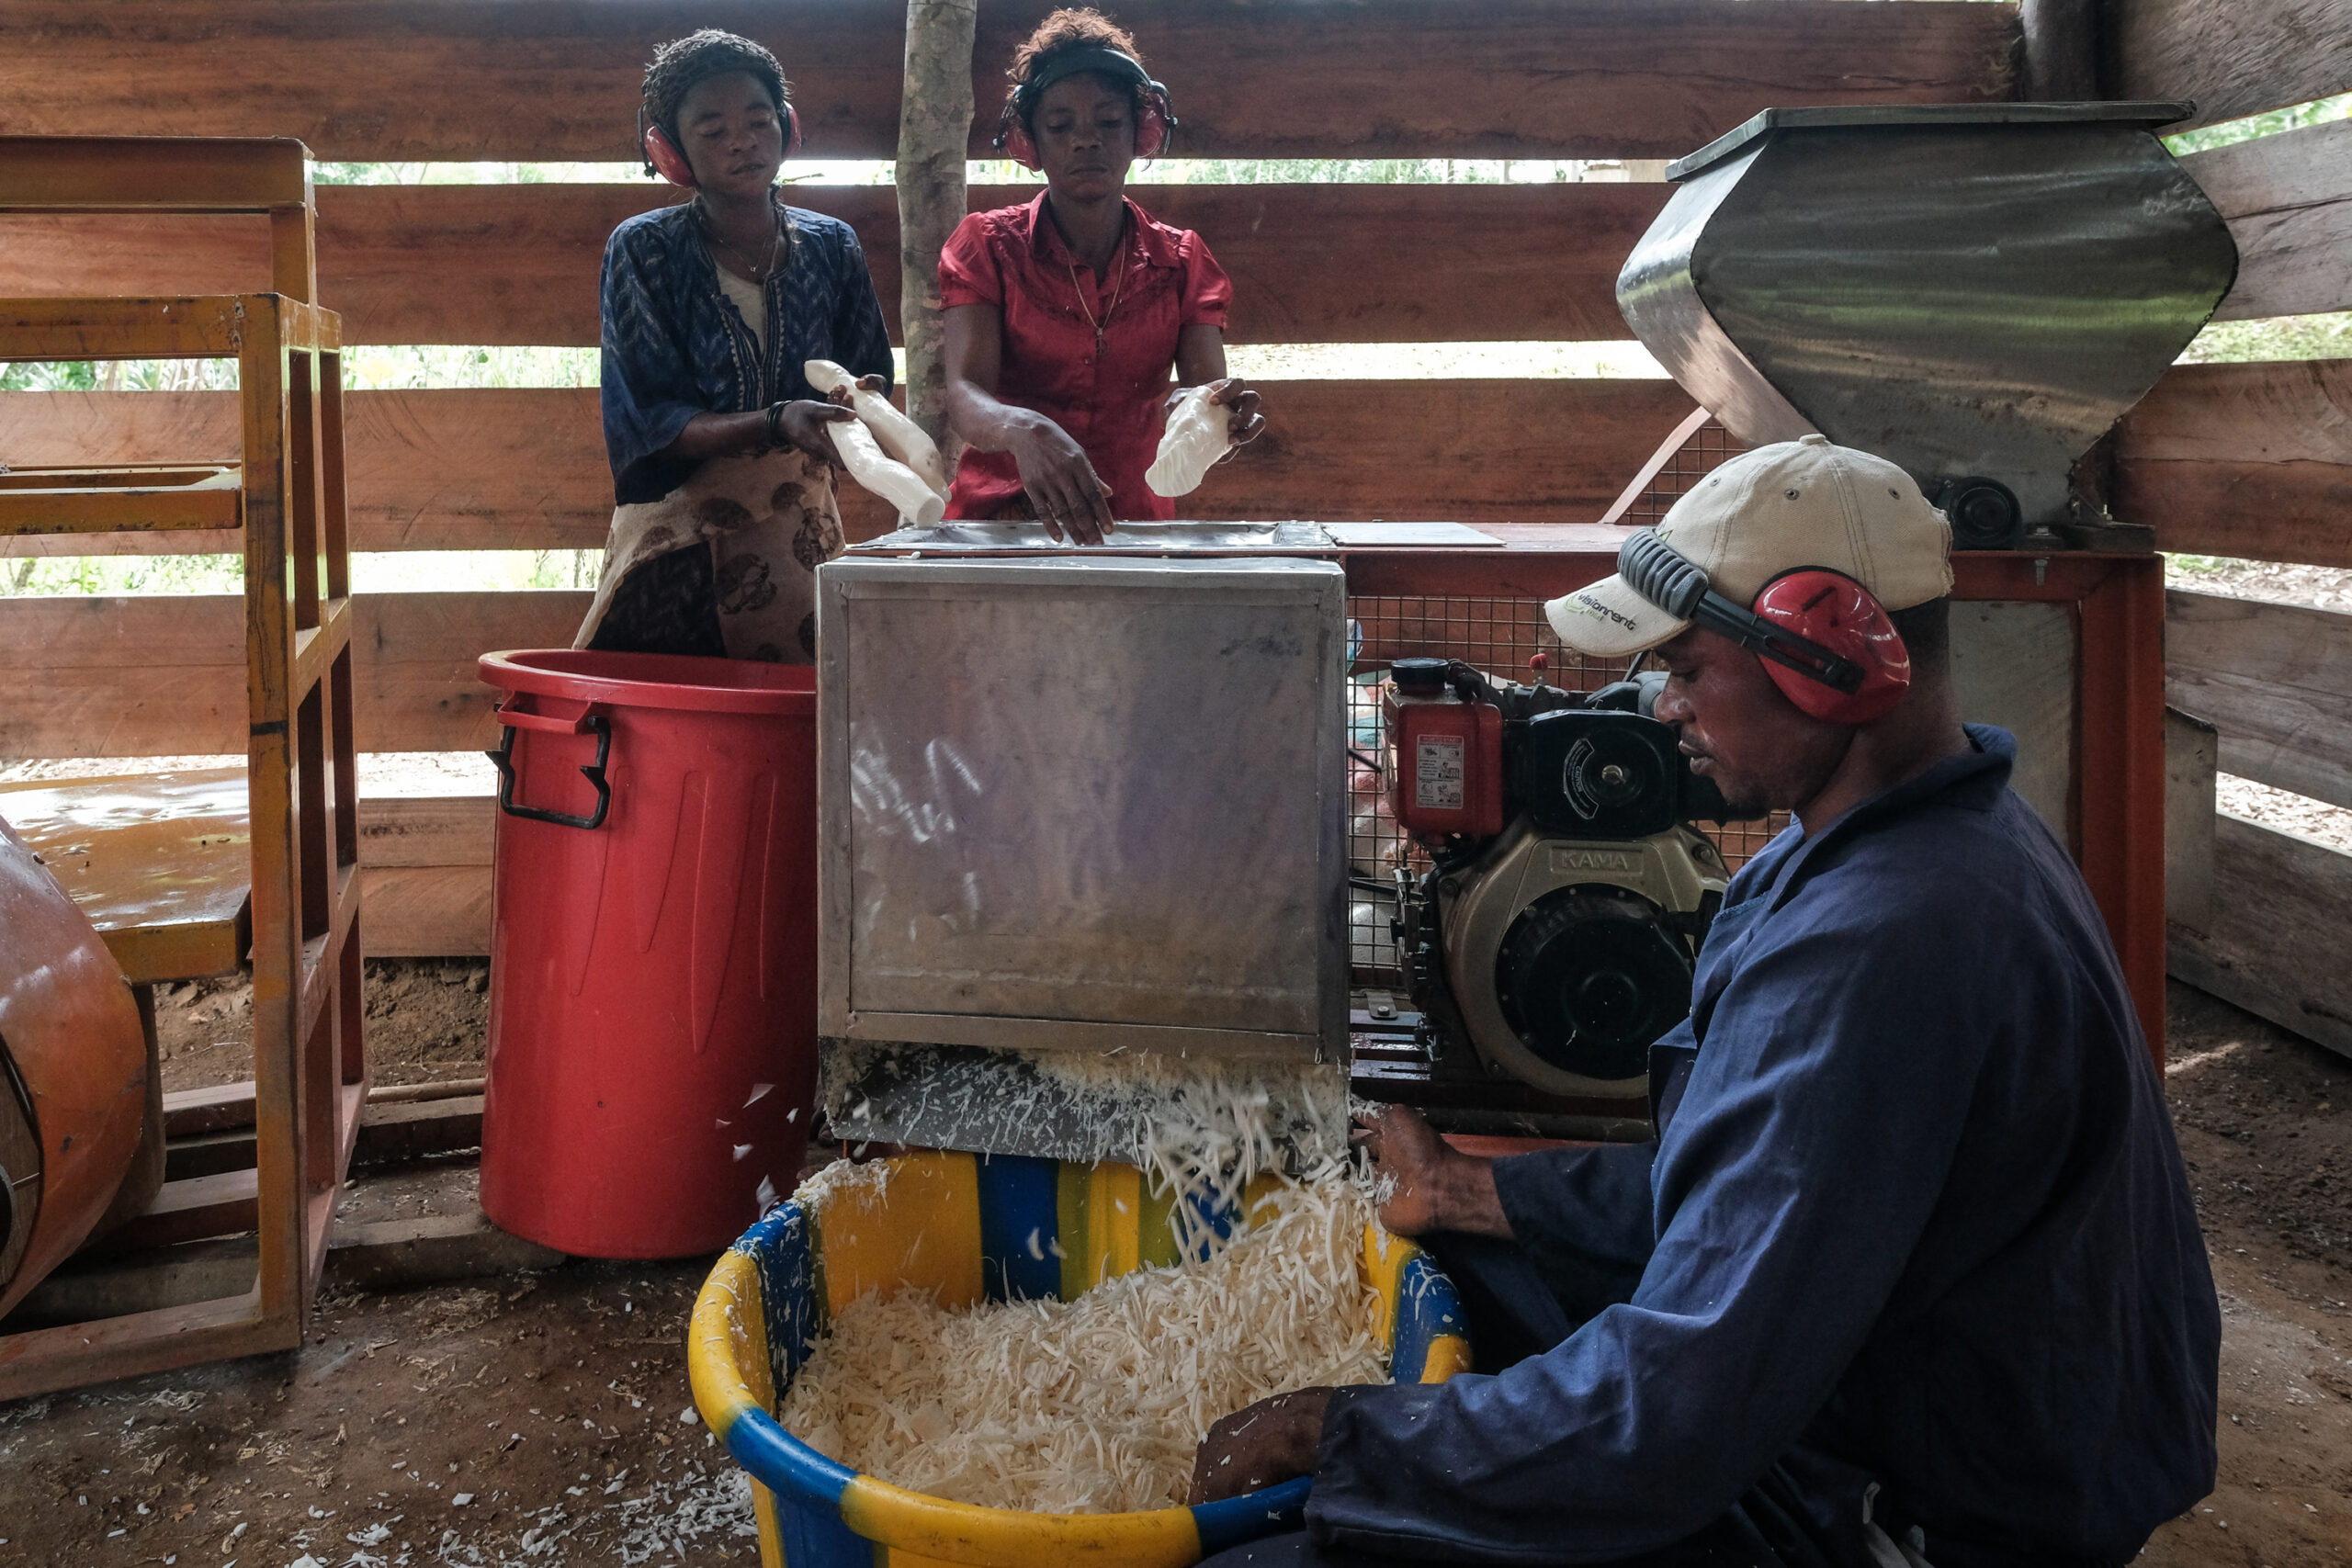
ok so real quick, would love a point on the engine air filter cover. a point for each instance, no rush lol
(1601, 774)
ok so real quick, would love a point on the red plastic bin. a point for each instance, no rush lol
(653, 949)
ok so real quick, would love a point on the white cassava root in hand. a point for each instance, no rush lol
(895, 482)
(1199, 434)
(900, 438)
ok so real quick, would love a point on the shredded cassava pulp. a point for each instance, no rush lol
(1094, 1405)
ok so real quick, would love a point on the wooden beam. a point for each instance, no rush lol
(2289, 202)
(2274, 941)
(1310, 262)
(424, 830)
(154, 174)
(550, 79)
(2275, 679)
(440, 911)
(2233, 58)
(495, 469)
(398, 1255)
(2192, 755)
(110, 1287)
(2243, 460)
(192, 1210)
(157, 675)
(425, 875)
(417, 687)
(401, 1131)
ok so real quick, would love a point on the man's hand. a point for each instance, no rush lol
(1424, 1184)
(1273, 1442)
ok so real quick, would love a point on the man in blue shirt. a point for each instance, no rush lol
(1911, 1274)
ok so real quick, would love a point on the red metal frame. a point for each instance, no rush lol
(2116, 808)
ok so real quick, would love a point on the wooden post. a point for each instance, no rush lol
(935, 129)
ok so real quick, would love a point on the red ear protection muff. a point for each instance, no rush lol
(671, 164)
(1155, 120)
(1832, 611)
(1821, 636)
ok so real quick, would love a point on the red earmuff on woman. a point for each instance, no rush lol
(1154, 121)
(663, 156)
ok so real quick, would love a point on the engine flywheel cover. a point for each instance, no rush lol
(1589, 977)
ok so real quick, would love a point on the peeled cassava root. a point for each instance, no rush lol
(918, 503)
(1199, 434)
(897, 438)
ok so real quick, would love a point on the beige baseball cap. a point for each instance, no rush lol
(1795, 503)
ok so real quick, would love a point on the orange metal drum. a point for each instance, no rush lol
(73, 1073)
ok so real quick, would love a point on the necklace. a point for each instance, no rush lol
(758, 274)
(1108, 311)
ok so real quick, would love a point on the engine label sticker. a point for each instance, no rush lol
(1437, 773)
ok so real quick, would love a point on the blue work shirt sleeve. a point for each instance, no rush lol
(858, 327)
(1788, 1188)
(1581, 1209)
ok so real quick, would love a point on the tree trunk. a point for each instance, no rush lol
(934, 128)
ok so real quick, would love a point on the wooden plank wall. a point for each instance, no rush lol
(2276, 680)
(2245, 460)
(557, 80)
(2256, 460)
(1537, 261)
(554, 80)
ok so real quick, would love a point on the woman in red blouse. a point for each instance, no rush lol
(1063, 316)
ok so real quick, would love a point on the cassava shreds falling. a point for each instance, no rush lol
(1096, 1405)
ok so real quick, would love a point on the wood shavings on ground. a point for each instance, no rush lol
(1096, 1405)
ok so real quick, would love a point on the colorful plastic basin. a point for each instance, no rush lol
(963, 1227)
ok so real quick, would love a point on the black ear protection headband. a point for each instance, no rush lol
(1675, 583)
(1155, 120)
(664, 157)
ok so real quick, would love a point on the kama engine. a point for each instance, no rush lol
(1555, 937)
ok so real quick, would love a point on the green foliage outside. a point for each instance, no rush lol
(2320, 111)
(2279, 337)
(405, 572)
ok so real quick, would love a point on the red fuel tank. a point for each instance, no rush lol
(1445, 761)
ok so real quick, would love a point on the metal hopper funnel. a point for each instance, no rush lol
(1977, 292)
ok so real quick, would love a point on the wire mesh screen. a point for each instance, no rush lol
(1498, 636)
(1699, 456)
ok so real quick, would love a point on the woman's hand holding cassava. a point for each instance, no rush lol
(803, 423)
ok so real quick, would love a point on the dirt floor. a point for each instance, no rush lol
(545, 1419)
(426, 1019)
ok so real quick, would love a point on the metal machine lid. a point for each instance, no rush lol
(2148, 114)
(1128, 538)
(1158, 539)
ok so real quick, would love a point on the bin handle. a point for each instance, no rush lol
(590, 722)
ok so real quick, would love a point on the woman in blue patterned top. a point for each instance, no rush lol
(722, 468)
